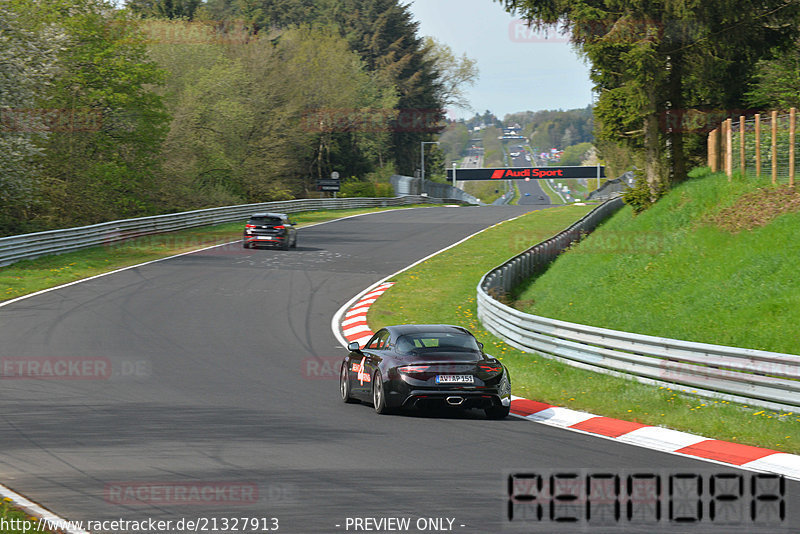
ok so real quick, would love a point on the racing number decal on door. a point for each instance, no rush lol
(359, 368)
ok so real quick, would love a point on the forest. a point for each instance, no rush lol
(112, 110)
(115, 111)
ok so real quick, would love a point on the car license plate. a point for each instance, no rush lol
(454, 379)
(268, 238)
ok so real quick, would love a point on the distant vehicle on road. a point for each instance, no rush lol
(269, 229)
(419, 366)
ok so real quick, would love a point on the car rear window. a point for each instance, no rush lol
(263, 221)
(437, 341)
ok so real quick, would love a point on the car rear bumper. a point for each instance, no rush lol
(444, 398)
(264, 240)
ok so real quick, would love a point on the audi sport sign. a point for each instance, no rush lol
(531, 173)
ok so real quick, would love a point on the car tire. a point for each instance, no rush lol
(344, 386)
(497, 412)
(285, 245)
(245, 245)
(378, 394)
(294, 243)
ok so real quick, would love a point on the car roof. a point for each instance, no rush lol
(403, 329)
(269, 214)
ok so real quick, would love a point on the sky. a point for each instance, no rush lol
(519, 70)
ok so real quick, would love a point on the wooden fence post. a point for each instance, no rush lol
(713, 152)
(728, 149)
(792, 114)
(723, 138)
(774, 147)
(742, 158)
(758, 145)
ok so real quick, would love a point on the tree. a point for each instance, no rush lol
(652, 60)
(104, 167)
(777, 81)
(575, 154)
(454, 140)
(325, 75)
(27, 65)
(262, 120)
(453, 72)
(264, 14)
(556, 128)
(170, 9)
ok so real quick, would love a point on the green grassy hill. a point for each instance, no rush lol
(713, 261)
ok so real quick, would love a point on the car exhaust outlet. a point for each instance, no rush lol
(454, 401)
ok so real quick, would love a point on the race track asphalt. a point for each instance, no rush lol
(223, 381)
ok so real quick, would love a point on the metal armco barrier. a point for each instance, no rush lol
(29, 246)
(406, 185)
(755, 377)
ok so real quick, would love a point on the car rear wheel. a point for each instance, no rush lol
(285, 244)
(294, 243)
(344, 386)
(378, 394)
(245, 245)
(497, 412)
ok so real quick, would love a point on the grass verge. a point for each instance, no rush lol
(442, 290)
(517, 194)
(484, 190)
(552, 195)
(679, 271)
(29, 276)
(16, 521)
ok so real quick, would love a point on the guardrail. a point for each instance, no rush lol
(756, 377)
(406, 185)
(29, 246)
(614, 187)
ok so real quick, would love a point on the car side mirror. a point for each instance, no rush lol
(480, 345)
(354, 347)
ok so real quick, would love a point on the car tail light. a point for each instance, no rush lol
(250, 226)
(279, 227)
(492, 369)
(410, 369)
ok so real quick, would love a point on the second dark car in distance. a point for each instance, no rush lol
(269, 229)
(418, 366)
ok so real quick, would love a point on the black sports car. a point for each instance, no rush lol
(417, 366)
